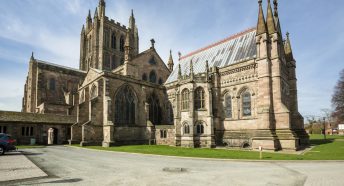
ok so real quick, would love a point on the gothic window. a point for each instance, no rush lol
(199, 98)
(228, 106)
(121, 44)
(152, 61)
(246, 104)
(154, 109)
(106, 61)
(122, 61)
(186, 128)
(94, 92)
(185, 99)
(144, 77)
(113, 62)
(125, 106)
(160, 81)
(200, 128)
(107, 41)
(152, 77)
(113, 41)
(52, 84)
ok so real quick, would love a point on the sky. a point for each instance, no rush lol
(51, 29)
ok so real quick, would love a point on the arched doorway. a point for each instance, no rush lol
(52, 136)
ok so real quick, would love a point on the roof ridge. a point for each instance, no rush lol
(59, 66)
(219, 42)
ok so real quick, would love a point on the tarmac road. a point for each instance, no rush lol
(76, 166)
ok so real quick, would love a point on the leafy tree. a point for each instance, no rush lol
(338, 98)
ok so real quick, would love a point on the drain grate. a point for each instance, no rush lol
(174, 169)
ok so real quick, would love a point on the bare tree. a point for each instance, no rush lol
(338, 98)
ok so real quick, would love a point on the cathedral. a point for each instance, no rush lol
(238, 92)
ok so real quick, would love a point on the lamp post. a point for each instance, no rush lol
(324, 128)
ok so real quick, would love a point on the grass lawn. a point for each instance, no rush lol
(330, 149)
(29, 146)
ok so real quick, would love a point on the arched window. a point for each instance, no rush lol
(185, 99)
(113, 41)
(160, 81)
(152, 77)
(228, 106)
(199, 98)
(246, 104)
(121, 44)
(94, 92)
(154, 109)
(186, 129)
(200, 128)
(144, 77)
(52, 84)
(125, 106)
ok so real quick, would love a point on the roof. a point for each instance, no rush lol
(59, 66)
(234, 49)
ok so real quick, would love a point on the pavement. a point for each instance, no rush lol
(77, 166)
(14, 166)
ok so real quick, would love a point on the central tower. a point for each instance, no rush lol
(102, 40)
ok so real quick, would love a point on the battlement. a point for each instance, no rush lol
(111, 21)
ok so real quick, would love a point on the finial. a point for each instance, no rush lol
(206, 65)
(132, 12)
(179, 71)
(152, 43)
(170, 52)
(287, 34)
(32, 57)
(275, 8)
(191, 67)
(89, 13)
(260, 2)
(179, 55)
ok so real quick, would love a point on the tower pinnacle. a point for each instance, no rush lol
(170, 63)
(270, 20)
(261, 25)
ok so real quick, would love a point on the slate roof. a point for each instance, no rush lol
(59, 66)
(237, 48)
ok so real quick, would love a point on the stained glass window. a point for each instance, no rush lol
(152, 77)
(154, 109)
(125, 106)
(228, 106)
(246, 104)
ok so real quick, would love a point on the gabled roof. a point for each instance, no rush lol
(234, 49)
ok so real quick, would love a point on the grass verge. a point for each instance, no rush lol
(329, 149)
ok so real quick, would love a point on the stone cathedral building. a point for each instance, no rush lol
(241, 91)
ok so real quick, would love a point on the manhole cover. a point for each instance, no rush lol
(174, 169)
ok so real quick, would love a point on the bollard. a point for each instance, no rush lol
(260, 152)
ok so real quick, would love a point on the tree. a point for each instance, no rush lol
(338, 98)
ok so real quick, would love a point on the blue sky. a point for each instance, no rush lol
(51, 28)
